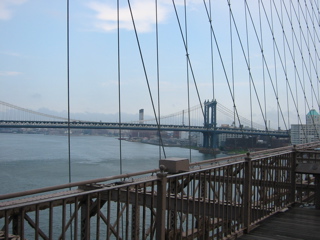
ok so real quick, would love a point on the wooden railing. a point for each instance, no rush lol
(213, 199)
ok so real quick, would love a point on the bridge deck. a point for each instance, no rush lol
(296, 223)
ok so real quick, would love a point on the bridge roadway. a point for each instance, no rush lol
(136, 126)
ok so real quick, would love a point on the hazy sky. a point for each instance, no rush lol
(33, 57)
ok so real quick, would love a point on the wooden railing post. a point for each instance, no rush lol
(247, 192)
(85, 219)
(161, 204)
(293, 175)
(317, 191)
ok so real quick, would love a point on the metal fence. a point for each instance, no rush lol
(213, 200)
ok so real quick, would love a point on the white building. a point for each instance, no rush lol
(223, 137)
(309, 132)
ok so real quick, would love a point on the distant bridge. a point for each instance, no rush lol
(208, 126)
(137, 126)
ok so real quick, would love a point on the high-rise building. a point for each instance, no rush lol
(309, 132)
(313, 117)
(141, 116)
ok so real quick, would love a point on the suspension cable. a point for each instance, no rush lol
(146, 76)
(232, 66)
(158, 73)
(315, 49)
(34, 112)
(294, 58)
(188, 83)
(248, 66)
(188, 57)
(119, 84)
(295, 66)
(275, 64)
(68, 89)
(248, 53)
(211, 50)
(263, 68)
(285, 62)
(265, 61)
(282, 64)
(302, 37)
(221, 60)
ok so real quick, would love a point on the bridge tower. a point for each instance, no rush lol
(210, 139)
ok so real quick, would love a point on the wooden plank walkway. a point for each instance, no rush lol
(296, 223)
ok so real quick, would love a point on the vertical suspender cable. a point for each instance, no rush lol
(221, 61)
(315, 52)
(232, 68)
(303, 79)
(317, 68)
(294, 59)
(232, 73)
(119, 85)
(188, 58)
(68, 89)
(248, 63)
(146, 75)
(307, 51)
(280, 58)
(310, 57)
(211, 45)
(263, 67)
(303, 72)
(285, 62)
(318, 79)
(275, 61)
(308, 46)
(158, 74)
(119, 94)
(302, 55)
(267, 68)
(188, 84)
(314, 14)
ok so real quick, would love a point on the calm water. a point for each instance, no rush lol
(29, 161)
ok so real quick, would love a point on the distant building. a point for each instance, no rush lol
(184, 135)
(222, 138)
(141, 116)
(309, 132)
(313, 118)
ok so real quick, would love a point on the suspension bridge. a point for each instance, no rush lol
(258, 58)
(10, 112)
(209, 127)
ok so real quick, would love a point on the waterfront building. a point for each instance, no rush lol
(224, 136)
(309, 132)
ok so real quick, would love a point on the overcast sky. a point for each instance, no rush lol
(33, 57)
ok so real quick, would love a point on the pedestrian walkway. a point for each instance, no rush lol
(296, 223)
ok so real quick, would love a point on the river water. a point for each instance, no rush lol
(30, 161)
